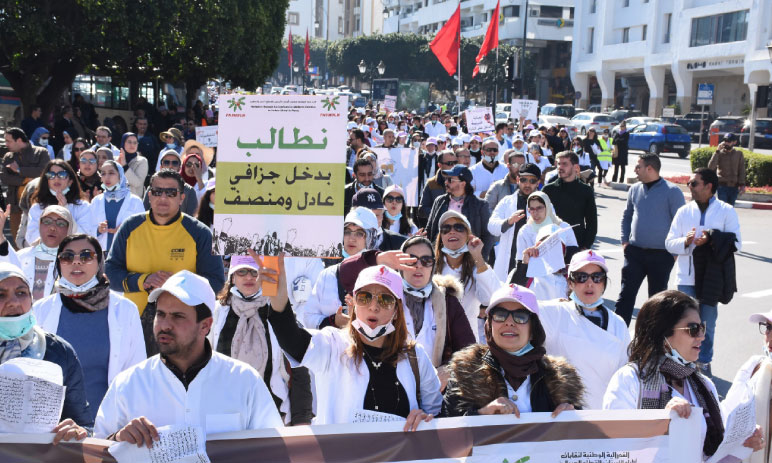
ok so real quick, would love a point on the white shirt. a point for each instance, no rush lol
(478, 291)
(81, 213)
(227, 395)
(324, 300)
(132, 204)
(26, 258)
(482, 178)
(435, 128)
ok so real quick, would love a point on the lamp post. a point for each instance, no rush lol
(295, 68)
(380, 68)
(483, 66)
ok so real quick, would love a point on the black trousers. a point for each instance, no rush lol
(653, 264)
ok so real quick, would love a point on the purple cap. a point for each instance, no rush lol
(761, 318)
(394, 188)
(476, 138)
(514, 293)
(585, 258)
(432, 141)
(380, 275)
(239, 262)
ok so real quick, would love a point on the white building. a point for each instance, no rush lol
(653, 53)
(335, 19)
(549, 31)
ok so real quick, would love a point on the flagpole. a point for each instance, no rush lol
(496, 81)
(458, 98)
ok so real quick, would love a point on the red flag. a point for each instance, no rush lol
(491, 40)
(306, 53)
(289, 49)
(446, 43)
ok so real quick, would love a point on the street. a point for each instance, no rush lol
(736, 338)
(671, 164)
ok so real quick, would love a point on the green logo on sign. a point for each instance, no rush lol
(235, 104)
(329, 104)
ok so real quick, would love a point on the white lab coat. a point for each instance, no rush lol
(279, 375)
(482, 178)
(341, 384)
(11, 257)
(127, 343)
(324, 300)
(596, 354)
(503, 211)
(719, 216)
(132, 204)
(227, 395)
(477, 291)
(26, 258)
(81, 213)
(433, 129)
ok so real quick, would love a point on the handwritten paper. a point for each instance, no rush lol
(29, 402)
(371, 416)
(207, 135)
(550, 258)
(739, 423)
(402, 165)
(525, 109)
(176, 444)
(479, 120)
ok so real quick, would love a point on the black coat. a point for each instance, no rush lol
(587, 145)
(714, 269)
(621, 141)
(348, 195)
(476, 210)
(392, 241)
(574, 203)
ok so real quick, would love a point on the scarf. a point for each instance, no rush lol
(550, 219)
(188, 179)
(655, 394)
(14, 348)
(119, 191)
(92, 296)
(45, 253)
(414, 300)
(516, 368)
(128, 157)
(249, 342)
(421, 293)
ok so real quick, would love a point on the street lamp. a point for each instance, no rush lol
(483, 68)
(381, 68)
(295, 68)
(362, 67)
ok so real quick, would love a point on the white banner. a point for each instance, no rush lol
(390, 103)
(479, 120)
(527, 109)
(207, 136)
(402, 165)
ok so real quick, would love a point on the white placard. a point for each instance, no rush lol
(527, 109)
(176, 444)
(479, 120)
(668, 112)
(207, 135)
(31, 395)
(390, 103)
(402, 165)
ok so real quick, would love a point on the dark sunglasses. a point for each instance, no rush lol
(692, 183)
(393, 199)
(582, 277)
(85, 160)
(242, 272)
(63, 174)
(695, 329)
(445, 229)
(169, 192)
(425, 261)
(449, 163)
(765, 328)
(77, 150)
(85, 256)
(519, 316)
(532, 181)
(172, 163)
(385, 301)
(192, 164)
(491, 150)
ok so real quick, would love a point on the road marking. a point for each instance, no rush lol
(759, 294)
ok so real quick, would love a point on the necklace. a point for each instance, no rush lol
(375, 364)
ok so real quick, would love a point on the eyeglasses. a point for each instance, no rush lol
(85, 256)
(172, 163)
(385, 301)
(692, 183)
(48, 221)
(536, 209)
(425, 261)
(519, 316)
(63, 174)
(242, 272)
(532, 181)
(169, 192)
(695, 329)
(191, 164)
(582, 277)
(491, 150)
(85, 160)
(765, 328)
(449, 163)
(355, 233)
(445, 229)
(393, 199)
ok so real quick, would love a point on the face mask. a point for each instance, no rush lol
(345, 254)
(43, 142)
(474, 151)
(393, 217)
(577, 149)
(676, 357)
(64, 192)
(767, 353)
(457, 253)
(525, 349)
(63, 283)
(211, 204)
(579, 302)
(16, 327)
(170, 145)
(373, 333)
(416, 144)
(490, 159)
(109, 188)
(417, 292)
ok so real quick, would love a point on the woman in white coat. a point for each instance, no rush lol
(101, 325)
(368, 370)
(460, 255)
(591, 337)
(240, 330)
(115, 205)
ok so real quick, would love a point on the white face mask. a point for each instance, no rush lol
(457, 253)
(373, 333)
(490, 159)
(676, 357)
(43, 142)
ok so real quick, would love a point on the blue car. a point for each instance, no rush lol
(661, 137)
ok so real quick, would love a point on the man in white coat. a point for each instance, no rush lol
(488, 170)
(183, 385)
(37, 261)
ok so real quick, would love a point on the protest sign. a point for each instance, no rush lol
(280, 175)
(550, 258)
(207, 135)
(402, 165)
(31, 395)
(524, 108)
(175, 444)
(597, 436)
(479, 120)
(390, 103)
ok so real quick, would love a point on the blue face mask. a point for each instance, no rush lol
(676, 357)
(16, 327)
(170, 145)
(64, 192)
(211, 204)
(524, 350)
(393, 217)
(579, 302)
(345, 254)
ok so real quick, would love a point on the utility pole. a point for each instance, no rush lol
(522, 52)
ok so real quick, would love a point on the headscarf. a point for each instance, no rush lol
(128, 156)
(121, 189)
(42, 251)
(32, 344)
(188, 179)
(107, 151)
(165, 153)
(550, 219)
(39, 132)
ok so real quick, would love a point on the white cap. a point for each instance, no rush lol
(761, 318)
(534, 133)
(457, 215)
(187, 287)
(362, 217)
(351, 125)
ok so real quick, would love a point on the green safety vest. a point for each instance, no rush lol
(605, 147)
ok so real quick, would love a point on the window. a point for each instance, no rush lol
(555, 12)
(511, 11)
(103, 91)
(593, 6)
(668, 18)
(626, 35)
(357, 22)
(590, 40)
(625, 3)
(293, 19)
(146, 90)
(571, 13)
(643, 33)
(340, 25)
(722, 28)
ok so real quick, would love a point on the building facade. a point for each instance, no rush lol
(649, 54)
(334, 19)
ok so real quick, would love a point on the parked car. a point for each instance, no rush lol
(633, 122)
(594, 108)
(692, 126)
(727, 124)
(559, 121)
(763, 137)
(504, 108)
(584, 121)
(661, 137)
(621, 114)
(562, 110)
(502, 117)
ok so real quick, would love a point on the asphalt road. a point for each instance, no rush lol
(672, 165)
(736, 338)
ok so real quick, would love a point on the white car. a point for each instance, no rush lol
(586, 121)
(557, 120)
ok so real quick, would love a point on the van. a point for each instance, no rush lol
(563, 110)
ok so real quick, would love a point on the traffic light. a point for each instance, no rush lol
(509, 70)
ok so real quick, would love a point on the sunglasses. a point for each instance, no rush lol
(765, 328)
(192, 164)
(491, 150)
(355, 233)
(425, 261)
(85, 160)
(393, 199)
(63, 174)
(445, 229)
(532, 181)
(48, 221)
(449, 163)
(169, 192)
(167, 162)
(385, 301)
(85, 256)
(536, 209)
(519, 316)
(695, 329)
(242, 272)
(77, 150)
(692, 183)
(582, 277)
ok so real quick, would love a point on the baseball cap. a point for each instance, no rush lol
(380, 275)
(187, 287)
(431, 141)
(514, 293)
(451, 214)
(401, 134)
(394, 189)
(476, 138)
(8, 270)
(761, 317)
(239, 262)
(457, 142)
(367, 197)
(730, 137)
(534, 133)
(518, 137)
(585, 258)
(361, 217)
(369, 120)
(530, 168)
(459, 170)
(351, 125)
